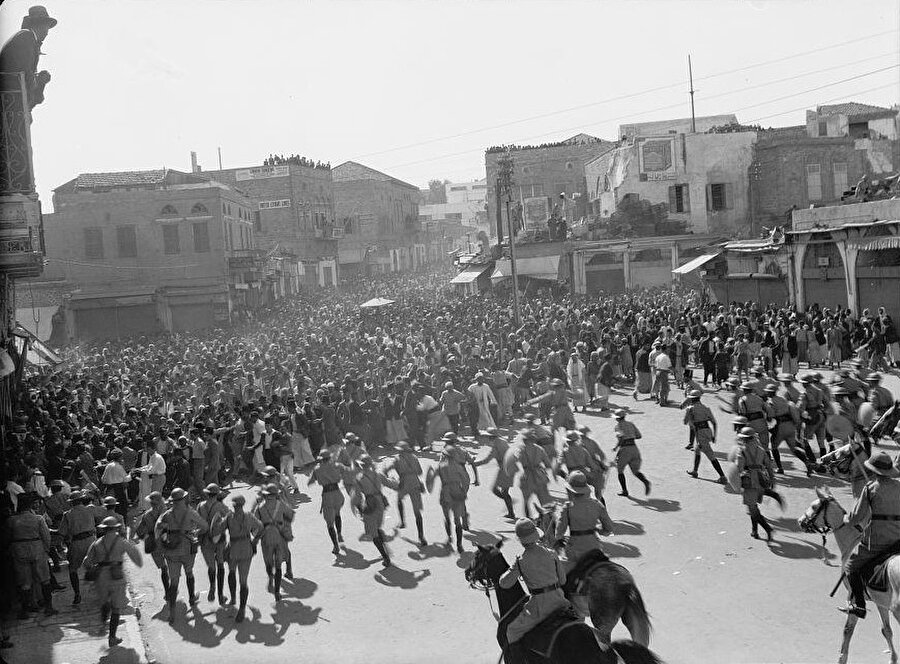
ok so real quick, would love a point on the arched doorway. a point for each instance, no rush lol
(824, 281)
(878, 273)
(604, 272)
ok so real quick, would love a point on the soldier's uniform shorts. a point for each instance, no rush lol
(176, 562)
(628, 457)
(29, 572)
(112, 593)
(77, 551)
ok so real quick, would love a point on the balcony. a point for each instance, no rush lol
(16, 176)
(246, 259)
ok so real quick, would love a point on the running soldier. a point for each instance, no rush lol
(503, 481)
(146, 529)
(409, 470)
(242, 528)
(700, 418)
(535, 465)
(370, 503)
(454, 490)
(78, 530)
(753, 475)
(175, 531)
(276, 519)
(596, 475)
(328, 474)
(573, 456)
(29, 540)
(627, 453)
(812, 412)
(787, 419)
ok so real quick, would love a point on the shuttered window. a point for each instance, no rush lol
(719, 197)
(93, 243)
(679, 198)
(127, 240)
(201, 237)
(840, 178)
(171, 241)
(814, 182)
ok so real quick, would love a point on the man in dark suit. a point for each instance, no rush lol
(21, 53)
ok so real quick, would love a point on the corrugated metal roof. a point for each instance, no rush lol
(120, 179)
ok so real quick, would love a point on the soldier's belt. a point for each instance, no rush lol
(701, 425)
(576, 533)
(545, 589)
(84, 535)
(886, 517)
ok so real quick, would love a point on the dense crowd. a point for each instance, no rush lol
(129, 422)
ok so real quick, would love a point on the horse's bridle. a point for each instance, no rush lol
(809, 523)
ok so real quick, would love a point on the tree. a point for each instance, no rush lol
(437, 193)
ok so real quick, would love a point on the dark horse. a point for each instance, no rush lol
(563, 638)
(611, 592)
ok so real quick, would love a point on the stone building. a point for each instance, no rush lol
(702, 177)
(545, 172)
(153, 251)
(293, 209)
(379, 215)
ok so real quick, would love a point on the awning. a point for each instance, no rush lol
(470, 274)
(879, 243)
(38, 352)
(375, 302)
(536, 267)
(692, 265)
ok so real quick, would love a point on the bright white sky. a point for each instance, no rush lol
(139, 84)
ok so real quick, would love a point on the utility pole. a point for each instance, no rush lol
(220, 158)
(691, 78)
(505, 183)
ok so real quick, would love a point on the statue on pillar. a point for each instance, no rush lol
(21, 52)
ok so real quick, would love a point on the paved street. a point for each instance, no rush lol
(703, 579)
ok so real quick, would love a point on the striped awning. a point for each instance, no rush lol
(879, 243)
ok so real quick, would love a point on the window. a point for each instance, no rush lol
(568, 165)
(679, 198)
(823, 128)
(199, 208)
(171, 241)
(719, 197)
(201, 237)
(93, 243)
(127, 240)
(813, 182)
(168, 211)
(457, 188)
(840, 178)
(257, 222)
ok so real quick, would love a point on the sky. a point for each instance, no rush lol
(419, 88)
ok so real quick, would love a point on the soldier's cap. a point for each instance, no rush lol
(110, 501)
(806, 379)
(573, 435)
(770, 389)
(527, 532)
(270, 490)
(746, 432)
(695, 394)
(873, 378)
(109, 523)
(402, 446)
(57, 484)
(747, 385)
(177, 494)
(785, 378)
(577, 483)
(620, 414)
(76, 496)
(740, 420)
(212, 489)
(155, 498)
(492, 432)
(448, 385)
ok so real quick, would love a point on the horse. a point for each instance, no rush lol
(612, 593)
(564, 638)
(825, 515)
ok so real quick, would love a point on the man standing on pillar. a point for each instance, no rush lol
(21, 53)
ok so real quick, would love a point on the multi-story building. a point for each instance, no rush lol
(458, 193)
(293, 208)
(153, 251)
(379, 215)
(554, 171)
(701, 177)
(814, 165)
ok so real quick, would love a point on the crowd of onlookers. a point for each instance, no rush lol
(280, 160)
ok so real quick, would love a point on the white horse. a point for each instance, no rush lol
(826, 515)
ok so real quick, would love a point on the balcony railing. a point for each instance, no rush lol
(16, 176)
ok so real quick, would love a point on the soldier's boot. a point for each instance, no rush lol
(242, 609)
(623, 484)
(420, 528)
(211, 574)
(332, 534)
(765, 526)
(220, 582)
(776, 456)
(754, 526)
(277, 584)
(382, 549)
(47, 593)
(459, 539)
(232, 586)
(507, 500)
(192, 597)
(646, 482)
(337, 527)
(55, 585)
(718, 468)
(271, 585)
(693, 473)
(401, 512)
(113, 628)
(76, 587)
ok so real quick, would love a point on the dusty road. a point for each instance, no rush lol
(714, 594)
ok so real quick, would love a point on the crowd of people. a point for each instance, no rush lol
(140, 438)
(280, 160)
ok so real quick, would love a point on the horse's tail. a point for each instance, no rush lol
(636, 617)
(632, 652)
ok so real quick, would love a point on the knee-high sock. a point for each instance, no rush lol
(459, 534)
(420, 526)
(113, 624)
(400, 511)
(173, 593)
(269, 572)
(337, 524)
(211, 575)
(696, 463)
(47, 593)
(718, 467)
(76, 584)
(332, 534)
(776, 455)
(622, 483)
(277, 579)
(189, 581)
(289, 569)
(232, 584)
(447, 527)
(164, 576)
(245, 592)
(220, 581)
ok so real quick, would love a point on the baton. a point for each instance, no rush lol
(838, 584)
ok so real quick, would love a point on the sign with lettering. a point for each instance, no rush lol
(270, 205)
(261, 172)
(537, 212)
(657, 176)
(657, 158)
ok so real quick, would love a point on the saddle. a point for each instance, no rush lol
(878, 579)
(539, 642)
(583, 568)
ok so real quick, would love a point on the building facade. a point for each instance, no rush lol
(702, 178)
(553, 172)
(153, 251)
(293, 209)
(379, 215)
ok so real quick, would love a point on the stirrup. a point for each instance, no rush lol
(853, 610)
